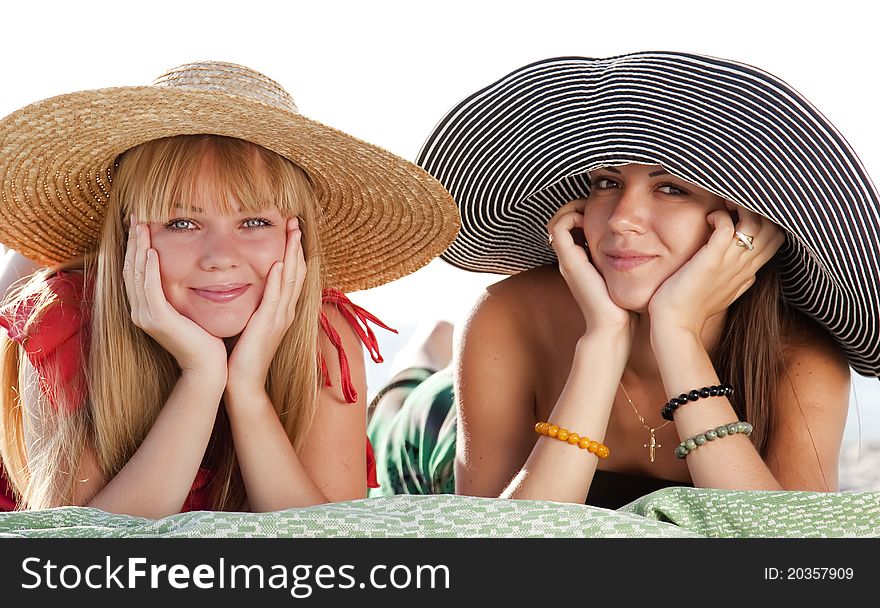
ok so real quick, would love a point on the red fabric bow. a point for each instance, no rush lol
(358, 318)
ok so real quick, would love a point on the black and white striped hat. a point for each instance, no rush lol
(514, 152)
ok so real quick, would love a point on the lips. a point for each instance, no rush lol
(627, 260)
(221, 293)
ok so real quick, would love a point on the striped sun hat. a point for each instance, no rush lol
(513, 153)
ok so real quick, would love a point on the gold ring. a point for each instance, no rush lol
(744, 240)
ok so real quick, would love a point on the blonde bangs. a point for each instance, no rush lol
(166, 177)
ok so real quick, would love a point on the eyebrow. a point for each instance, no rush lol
(651, 174)
(198, 209)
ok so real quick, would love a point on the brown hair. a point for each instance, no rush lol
(750, 354)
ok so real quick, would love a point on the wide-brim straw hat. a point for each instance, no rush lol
(382, 217)
(514, 152)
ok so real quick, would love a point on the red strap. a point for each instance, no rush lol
(7, 497)
(357, 318)
(54, 341)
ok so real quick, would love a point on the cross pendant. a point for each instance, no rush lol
(652, 444)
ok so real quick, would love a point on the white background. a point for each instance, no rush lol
(386, 71)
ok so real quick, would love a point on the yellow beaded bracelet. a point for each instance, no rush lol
(583, 442)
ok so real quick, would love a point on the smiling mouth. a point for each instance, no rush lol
(627, 263)
(221, 294)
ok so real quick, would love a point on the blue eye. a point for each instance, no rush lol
(256, 222)
(179, 225)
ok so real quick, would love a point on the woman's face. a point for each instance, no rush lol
(642, 224)
(214, 266)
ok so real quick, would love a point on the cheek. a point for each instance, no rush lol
(685, 235)
(264, 252)
(595, 225)
(175, 261)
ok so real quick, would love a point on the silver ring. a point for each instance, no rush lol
(744, 240)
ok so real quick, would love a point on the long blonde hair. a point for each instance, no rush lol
(129, 375)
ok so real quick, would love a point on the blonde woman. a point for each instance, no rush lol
(189, 345)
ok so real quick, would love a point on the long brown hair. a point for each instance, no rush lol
(129, 375)
(750, 354)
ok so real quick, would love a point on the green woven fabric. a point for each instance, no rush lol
(672, 512)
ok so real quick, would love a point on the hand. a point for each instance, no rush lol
(583, 280)
(194, 348)
(718, 273)
(256, 346)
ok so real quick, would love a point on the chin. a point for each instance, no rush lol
(225, 330)
(632, 301)
(220, 327)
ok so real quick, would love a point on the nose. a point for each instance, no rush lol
(630, 213)
(219, 251)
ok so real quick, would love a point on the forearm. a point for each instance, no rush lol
(157, 479)
(273, 474)
(557, 470)
(731, 462)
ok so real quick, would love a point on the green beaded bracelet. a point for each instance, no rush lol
(689, 445)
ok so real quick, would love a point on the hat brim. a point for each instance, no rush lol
(514, 152)
(382, 217)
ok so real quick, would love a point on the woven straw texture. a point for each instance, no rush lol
(382, 217)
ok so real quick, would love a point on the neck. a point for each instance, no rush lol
(642, 368)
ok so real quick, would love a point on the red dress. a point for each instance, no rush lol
(53, 344)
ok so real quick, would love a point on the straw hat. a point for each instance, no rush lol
(383, 217)
(513, 153)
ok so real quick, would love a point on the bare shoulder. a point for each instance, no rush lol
(351, 344)
(812, 404)
(812, 355)
(521, 300)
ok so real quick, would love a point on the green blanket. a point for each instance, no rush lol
(672, 512)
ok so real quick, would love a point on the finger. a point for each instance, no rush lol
(577, 205)
(560, 231)
(292, 256)
(766, 249)
(753, 225)
(128, 264)
(567, 251)
(154, 295)
(723, 231)
(745, 287)
(140, 262)
(301, 270)
(292, 251)
(272, 291)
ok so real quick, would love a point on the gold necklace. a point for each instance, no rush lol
(652, 442)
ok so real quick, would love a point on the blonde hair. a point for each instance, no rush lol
(129, 375)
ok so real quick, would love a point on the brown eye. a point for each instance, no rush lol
(603, 183)
(672, 190)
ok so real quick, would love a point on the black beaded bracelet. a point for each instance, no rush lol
(723, 390)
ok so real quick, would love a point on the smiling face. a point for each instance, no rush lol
(642, 225)
(217, 211)
(214, 266)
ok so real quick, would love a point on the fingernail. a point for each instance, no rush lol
(294, 223)
(137, 229)
(278, 267)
